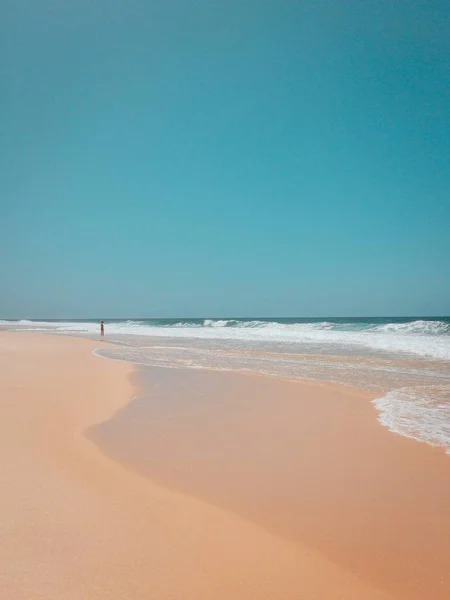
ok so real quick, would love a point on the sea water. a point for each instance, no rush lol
(404, 362)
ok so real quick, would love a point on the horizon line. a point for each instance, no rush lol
(254, 317)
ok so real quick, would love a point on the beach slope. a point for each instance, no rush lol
(75, 524)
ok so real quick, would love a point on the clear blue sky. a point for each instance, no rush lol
(206, 158)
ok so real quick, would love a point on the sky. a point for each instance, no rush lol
(164, 158)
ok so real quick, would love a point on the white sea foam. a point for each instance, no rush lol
(421, 412)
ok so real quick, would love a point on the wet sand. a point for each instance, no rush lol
(212, 487)
(307, 462)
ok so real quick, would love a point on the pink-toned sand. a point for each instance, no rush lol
(78, 523)
(307, 462)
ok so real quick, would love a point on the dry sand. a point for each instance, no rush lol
(77, 524)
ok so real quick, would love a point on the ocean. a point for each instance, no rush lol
(403, 362)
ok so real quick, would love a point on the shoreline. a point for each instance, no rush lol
(92, 526)
(316, 467)
(387, 416)
(406, 383)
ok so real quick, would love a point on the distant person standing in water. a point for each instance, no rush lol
(102, 329)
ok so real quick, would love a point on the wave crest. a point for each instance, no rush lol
(416, 327)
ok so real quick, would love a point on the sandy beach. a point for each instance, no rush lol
(172, 484)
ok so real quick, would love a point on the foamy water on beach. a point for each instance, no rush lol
(403, 362)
